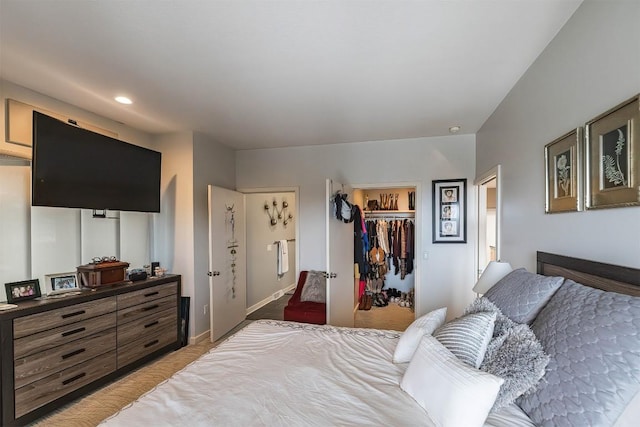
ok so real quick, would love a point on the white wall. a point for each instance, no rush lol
(38, 241)
(447, 276)
(592, 65)
(262, 278)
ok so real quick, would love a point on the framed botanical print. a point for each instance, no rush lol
(563, 171)
(450, 211)
(613, 157)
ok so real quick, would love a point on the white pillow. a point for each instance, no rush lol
(410, 338)
(453, 393)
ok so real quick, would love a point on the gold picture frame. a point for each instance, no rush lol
(563, 172)
(613, 157)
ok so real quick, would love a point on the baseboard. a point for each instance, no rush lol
(267, 300)
(198, 339)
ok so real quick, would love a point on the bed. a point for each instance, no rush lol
(275, 373)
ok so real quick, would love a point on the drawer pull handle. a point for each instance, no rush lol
(151, 307)
(154, 342)
(75, 313)
(151, 324)
(75, 331)
(72, 379)
(73, 353)
(150, 294)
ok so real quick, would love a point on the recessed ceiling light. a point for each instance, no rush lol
(123, 100)
(454, 129)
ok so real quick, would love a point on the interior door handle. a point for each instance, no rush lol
(215, 273)
(330, 275)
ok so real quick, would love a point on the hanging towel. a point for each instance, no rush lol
(283, 257)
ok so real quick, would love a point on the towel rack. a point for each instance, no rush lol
(288, 240)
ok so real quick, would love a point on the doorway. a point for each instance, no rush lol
(269, 220)
(386, 288)
(489, 216)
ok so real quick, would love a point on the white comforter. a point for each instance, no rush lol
(275, 373)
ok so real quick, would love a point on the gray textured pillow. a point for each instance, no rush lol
(520, 295)
(315, 287)
(517, 357)
(467, 337)
(593, 340)
(483, 305)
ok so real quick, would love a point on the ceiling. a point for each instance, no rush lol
(261, 74)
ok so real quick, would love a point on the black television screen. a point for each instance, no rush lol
(76, 168)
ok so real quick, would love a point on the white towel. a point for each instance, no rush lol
(283, 257)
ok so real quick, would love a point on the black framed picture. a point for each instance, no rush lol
(450, 211)
(22, 291)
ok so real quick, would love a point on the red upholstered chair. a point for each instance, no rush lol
(304, 311)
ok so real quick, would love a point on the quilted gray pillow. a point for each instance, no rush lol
(315, 287)
(593, 340)
(518, 358)
(467, 337)
(520, 295)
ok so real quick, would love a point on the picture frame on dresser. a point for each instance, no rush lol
(449, 210)
(613, 165)
(22, 291)
(563, 173)
(61, 283)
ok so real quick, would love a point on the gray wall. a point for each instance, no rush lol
(447, 275)
(592, 65)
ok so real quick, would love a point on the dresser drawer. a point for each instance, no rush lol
(35, 323)
(48, 389)
(149, 308)
(39, 365)
(146, 345)
(145, 326)
(64, 334)
(144, 295)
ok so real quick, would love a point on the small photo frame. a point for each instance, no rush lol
(613, 163)
(449, 211)
(22, 291)
(563, 172)
(61, 282)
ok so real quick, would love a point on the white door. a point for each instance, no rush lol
(227, 260)
(340, 283)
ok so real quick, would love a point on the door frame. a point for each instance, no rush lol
(418, 259)
(482, 179)
(296, 221)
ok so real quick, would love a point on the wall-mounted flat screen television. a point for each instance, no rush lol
(76, 168)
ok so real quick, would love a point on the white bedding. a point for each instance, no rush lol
(275, 373)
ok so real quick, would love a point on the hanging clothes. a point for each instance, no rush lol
(360, 241)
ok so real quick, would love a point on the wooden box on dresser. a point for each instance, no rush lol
(56, 350)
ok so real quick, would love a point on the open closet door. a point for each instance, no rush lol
(227, 260)
(339, 267)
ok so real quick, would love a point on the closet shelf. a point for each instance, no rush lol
(403, 213)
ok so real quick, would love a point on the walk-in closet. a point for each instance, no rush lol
(384, 256)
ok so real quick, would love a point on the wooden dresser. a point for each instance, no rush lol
(56, 350)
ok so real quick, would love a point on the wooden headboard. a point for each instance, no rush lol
(608, 277)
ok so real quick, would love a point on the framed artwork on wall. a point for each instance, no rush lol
(613, 157)
(449, 211)
(563, 172)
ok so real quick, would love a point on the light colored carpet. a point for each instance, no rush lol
(390, 317)
(104, 402)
